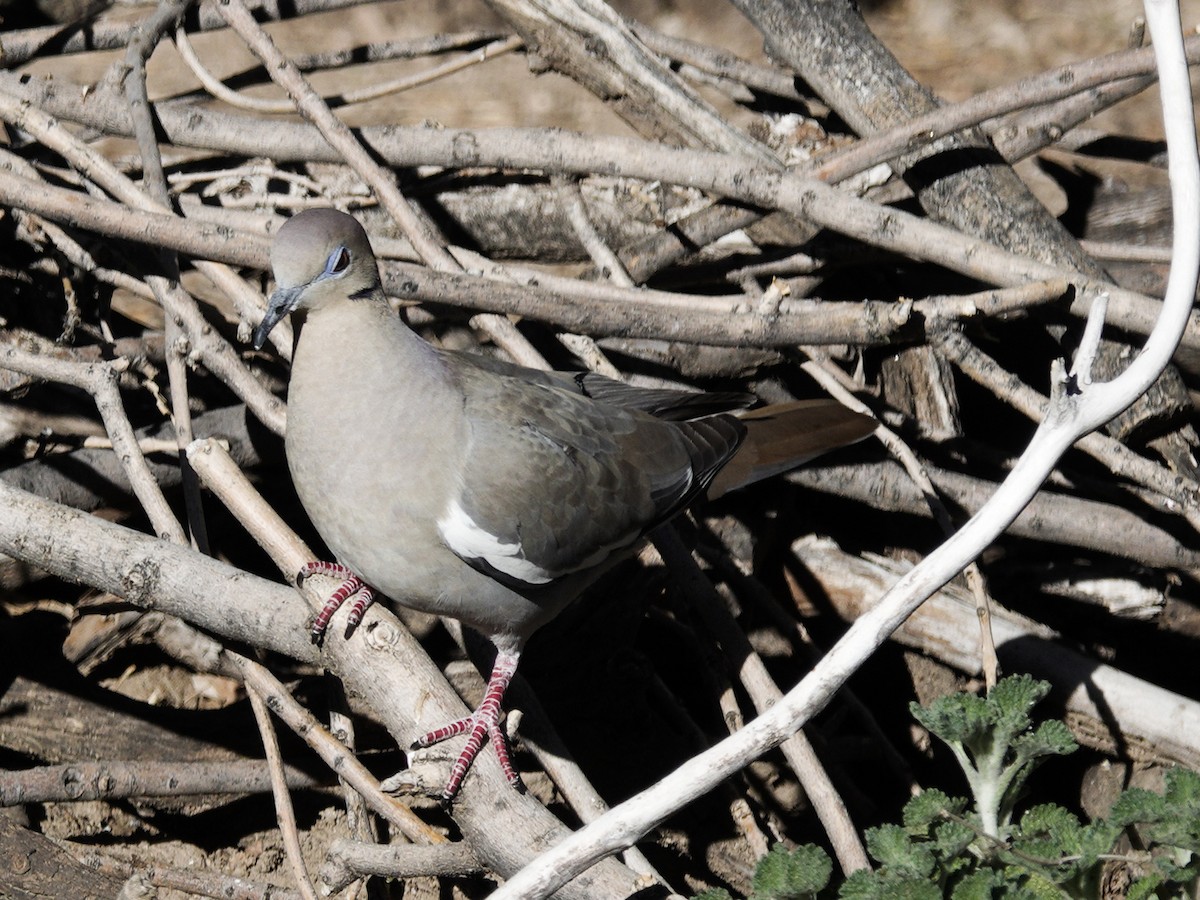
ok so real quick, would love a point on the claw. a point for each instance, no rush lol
(483, 722)
(351, 586)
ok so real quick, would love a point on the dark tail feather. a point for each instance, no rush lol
(785, 435)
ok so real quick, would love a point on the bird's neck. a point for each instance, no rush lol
(353, 352)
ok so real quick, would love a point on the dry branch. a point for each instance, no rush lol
(350, 860)
(1155, 725)
(47, 869)
(571, 154)
(1058, 518)
(119, 779)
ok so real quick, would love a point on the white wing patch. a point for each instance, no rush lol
(464, 536)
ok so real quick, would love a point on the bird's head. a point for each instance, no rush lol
(319, 256)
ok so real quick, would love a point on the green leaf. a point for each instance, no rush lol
(1171, 819)
(951, 840)
(1137, 805)
(892, 846)
(885, 885)
(982, 884)
(1050, 853)
(714, 894)
(1096, 839)
(1183, 788)
(928, 807)
(1180, 826)
(1039, 887)
(1010, 702)
(1146, 886)
(1051, 738)
(862, 884)
(1052, 823)
(786, 875)
(956, 718)
(1177, 876)
(1046, 835)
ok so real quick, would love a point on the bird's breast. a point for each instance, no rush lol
(371, 454)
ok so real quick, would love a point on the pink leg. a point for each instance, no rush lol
(351, 586)
(484, 722)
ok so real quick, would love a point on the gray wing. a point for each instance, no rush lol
(670, 405)
(555, 483)
(662, 403)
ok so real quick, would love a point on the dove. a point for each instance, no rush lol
(464, 486)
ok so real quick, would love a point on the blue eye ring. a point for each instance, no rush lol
(338, 262)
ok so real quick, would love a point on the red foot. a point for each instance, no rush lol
(484, 722)
(351, 586)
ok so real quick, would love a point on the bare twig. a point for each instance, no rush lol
(118, 779)
(214, 86)
(1105, 706)
(1180, 496)
(722, 174)
(722, 65)
(489, 51)
(115, 33)
(350, 860)
(593, 44)
(301, 721)
(916, 471)
(90, 163)
(337, 134)
(1056, 84)
(606, 261)
(131, 71)
(283, 803)
(361, 825)
(763, 691)
(206, 883)
(1052, 517)
(100, 380)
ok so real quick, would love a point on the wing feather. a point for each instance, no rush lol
(555, 483)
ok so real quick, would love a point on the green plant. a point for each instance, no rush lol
(785, 875)
(992, 740)
(980, 848)
(790, 875)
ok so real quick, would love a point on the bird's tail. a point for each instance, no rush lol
(785, 435)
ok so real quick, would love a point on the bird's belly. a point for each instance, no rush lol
(377, 522)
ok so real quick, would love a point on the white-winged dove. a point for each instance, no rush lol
(467, 487)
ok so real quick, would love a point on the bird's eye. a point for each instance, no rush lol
(339, 262)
